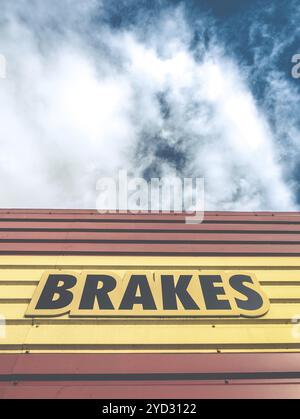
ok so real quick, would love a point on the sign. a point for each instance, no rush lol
(168, 293)
(149, 294)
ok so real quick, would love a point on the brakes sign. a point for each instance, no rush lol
(149, 294)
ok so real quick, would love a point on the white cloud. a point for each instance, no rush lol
(71, 111)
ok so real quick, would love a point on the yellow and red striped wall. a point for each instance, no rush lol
(149, 357)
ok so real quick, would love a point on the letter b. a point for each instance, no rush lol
(56, 286)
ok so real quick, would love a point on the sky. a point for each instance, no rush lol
(157, 87)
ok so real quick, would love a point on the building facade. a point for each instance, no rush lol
(147, 306)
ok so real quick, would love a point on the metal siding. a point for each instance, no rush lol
(142, 227)
(146, 390)
(62, 364)
(37, 240)
(87, 232)
(148, 236)
(179, 249)
(94, 217)
(20, 275)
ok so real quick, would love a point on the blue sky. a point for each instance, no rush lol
(161, 88)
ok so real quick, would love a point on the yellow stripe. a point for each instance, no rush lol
(279, 277)
(159, 335)
(134, 261)
(280, 312)
(25, 275)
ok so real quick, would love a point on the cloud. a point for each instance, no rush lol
(83, 99)
(273, 44)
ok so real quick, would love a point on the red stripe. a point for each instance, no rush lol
(148, 237)
(151, 249)
(150, 217)
(148, 363)
(94, 211)
(128, 390)
(31, 226)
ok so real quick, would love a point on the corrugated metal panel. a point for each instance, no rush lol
(42, 232)
(149, 248)
(266, 244)
(150, 376)
(151, 390)
(78, 364)
(19, 276)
